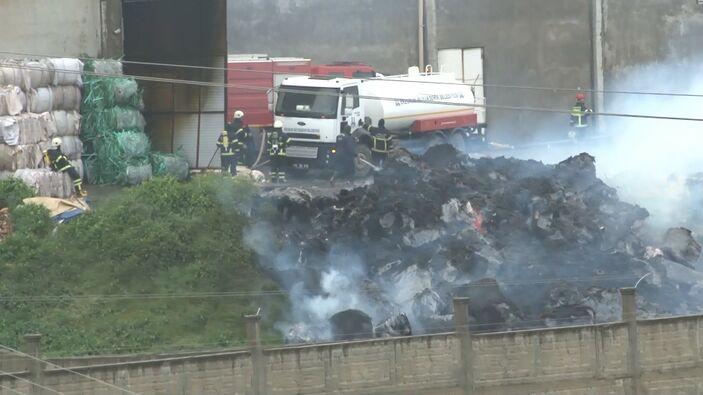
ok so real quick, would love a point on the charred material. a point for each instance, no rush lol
(525, 241)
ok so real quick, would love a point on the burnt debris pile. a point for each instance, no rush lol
(530, 244)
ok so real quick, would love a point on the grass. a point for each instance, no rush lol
(160, 238)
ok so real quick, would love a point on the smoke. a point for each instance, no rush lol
(318, 285)
(649, 161)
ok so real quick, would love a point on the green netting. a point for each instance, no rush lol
(125, 144)
(122, 156)
(163, 164)
(103, 66)
(97, 122)
(101, 93)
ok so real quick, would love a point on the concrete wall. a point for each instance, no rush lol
(61, 28)
(383, 33)
(641, 32)
(534, 43)
(577, 360)
(544, 43)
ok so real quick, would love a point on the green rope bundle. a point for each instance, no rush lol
(117, 151)
(163, 164)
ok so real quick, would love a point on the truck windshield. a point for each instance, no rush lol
(306, 102)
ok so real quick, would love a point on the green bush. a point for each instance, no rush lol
(13, 191)
(163, 237)
(31, 219)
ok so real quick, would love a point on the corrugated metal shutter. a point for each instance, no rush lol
(185, 136)
(210, 129)
(213, 98)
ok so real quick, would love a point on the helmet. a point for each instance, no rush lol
(224, 132)
(580, 96)
(238, 114)
(278, 124)
(55, 142)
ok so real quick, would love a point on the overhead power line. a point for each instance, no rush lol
(58, 367)
(368, 97)
(498, 86)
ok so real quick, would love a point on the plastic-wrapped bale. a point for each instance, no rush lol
(11, 73)
(46, 182)
(104, 66)
(127, 118)
(66, 98)
(54, 98)
(64, 123)
(72, 147)
(123, 92)
(137, 173)
(36, 74)
(12, 100)
(103, 93)
(123, 145)
(163, 164)
(9, 131)
(20, 157)
(67, 71)
(116, 118)
(40, 100)
(32, 128)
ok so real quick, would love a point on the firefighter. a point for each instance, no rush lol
(277, 144)
(344, 165)
(241, 137)
(382, 143)
(228, 153)
(580, 115)
(57, 161)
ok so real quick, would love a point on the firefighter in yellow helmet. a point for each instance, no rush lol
(57, 161)
(277, 144)
(228, 151)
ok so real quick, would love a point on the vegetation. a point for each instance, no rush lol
(13, 191)
(132, 273)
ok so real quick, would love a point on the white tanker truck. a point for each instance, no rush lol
(314, 110)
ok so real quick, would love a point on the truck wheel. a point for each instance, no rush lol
(437, 139)
(457, 140)
(363, 169)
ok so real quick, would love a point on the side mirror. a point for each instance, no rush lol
(270, 97)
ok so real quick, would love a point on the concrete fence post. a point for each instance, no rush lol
(258, 379)
(629, 315)
(461, 328)
(32, 344)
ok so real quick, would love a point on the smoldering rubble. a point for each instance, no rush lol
(531, 245)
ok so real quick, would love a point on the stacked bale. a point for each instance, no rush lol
(39, 100)
(113, 126)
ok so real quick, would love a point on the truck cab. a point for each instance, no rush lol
(313, 111)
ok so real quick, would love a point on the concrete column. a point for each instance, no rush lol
(258, 379)
(421, 34)
(431, 34)
(111, 29)
(629, 315)
(461, 328)
(32, 344)
(597, 26)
